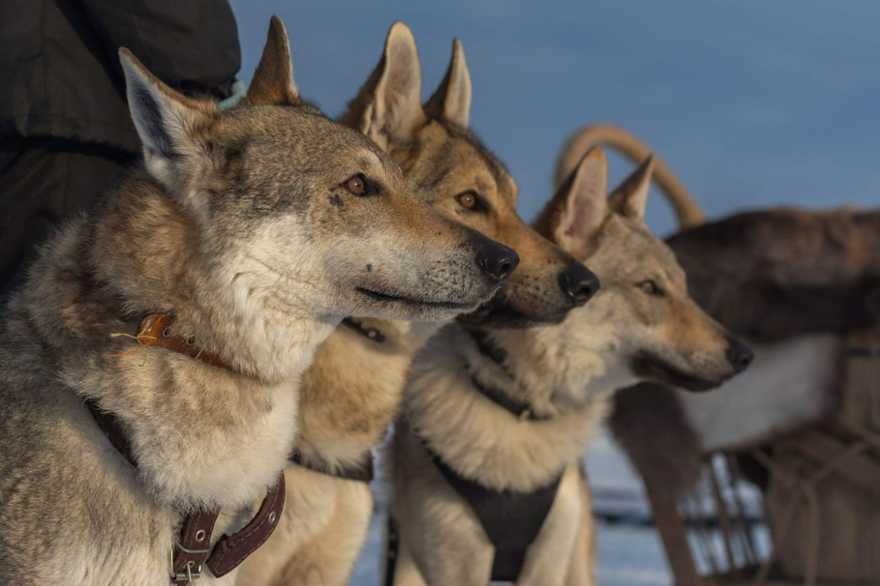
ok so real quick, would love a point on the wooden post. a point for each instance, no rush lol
(673, 534)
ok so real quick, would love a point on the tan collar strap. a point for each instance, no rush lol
(155, 331)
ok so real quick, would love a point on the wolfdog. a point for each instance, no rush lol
(351, 392)
(246, 236)
(485, 454)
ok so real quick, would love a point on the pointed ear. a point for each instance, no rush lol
(631, 197)
(272, 84)
(167, 122)
(452, 100)
(579, 206)
(388, 109)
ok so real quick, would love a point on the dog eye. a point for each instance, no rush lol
(651, 287)
(469, 200)
(360, 186)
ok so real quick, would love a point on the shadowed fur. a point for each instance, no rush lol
(351, 392)
(230, 227)
(564, 373)
(794, 281)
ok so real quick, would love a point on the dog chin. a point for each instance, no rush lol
(654, 369)
(385, 303)
(501, 313)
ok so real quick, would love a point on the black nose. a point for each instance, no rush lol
(578, 283)
(739, 355)
(496, 260)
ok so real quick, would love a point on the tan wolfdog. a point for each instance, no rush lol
(351, 392)
(249, 234)
(485, 455)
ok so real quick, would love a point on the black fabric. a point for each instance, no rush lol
(65, 131)
(60, 69)
(511, 519)
(362, 472)
(45, 181)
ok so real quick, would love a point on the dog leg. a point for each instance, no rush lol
(582, 570)
(442, 534)
(328, 557)
(336, 548)
(549, 557)
(406, 573)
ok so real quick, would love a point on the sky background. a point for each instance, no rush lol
(753, 103)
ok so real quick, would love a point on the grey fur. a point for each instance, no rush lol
(228, 227)
(351, 392)
(564, 372)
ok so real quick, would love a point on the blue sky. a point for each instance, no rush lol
(753, 103)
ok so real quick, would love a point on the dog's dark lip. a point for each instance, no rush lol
(655, 369)
(393, 298)
(499, 313)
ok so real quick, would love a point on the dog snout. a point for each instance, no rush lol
(739, 355)
(496, 260)
(578, 283)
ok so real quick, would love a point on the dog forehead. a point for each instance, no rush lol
(450, 152)
(627, 247)
(282, 124)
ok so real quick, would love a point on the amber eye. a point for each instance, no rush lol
(358, 185)
(467, 200)
(651, 288)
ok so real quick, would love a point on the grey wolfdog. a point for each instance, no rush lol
(252, 232)
(485, 456)
(351, 392)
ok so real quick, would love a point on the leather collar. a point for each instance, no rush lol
(192, 549)
(487, 347)
(494, 353)
(155, 330)
(519, 409)
(371, 333)
(362, 472)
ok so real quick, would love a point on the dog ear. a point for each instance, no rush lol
(579, 206)
(452, 100)
(167, 122)
(388, 108)
(631, 197)
(272, 84)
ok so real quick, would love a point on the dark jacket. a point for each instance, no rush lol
(59, 72)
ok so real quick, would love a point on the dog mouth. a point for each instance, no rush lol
(501, 313)
(396, 298)
(652, 368)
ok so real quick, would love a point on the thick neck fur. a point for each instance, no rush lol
(484, 441)
(150, 251)
(555, 371)
(350, 394)
(202, 435)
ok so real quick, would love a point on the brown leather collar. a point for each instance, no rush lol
(193, 550)
(359, 473)
(155, 330)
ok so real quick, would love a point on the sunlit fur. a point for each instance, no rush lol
(566, 372)
(234, 226)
